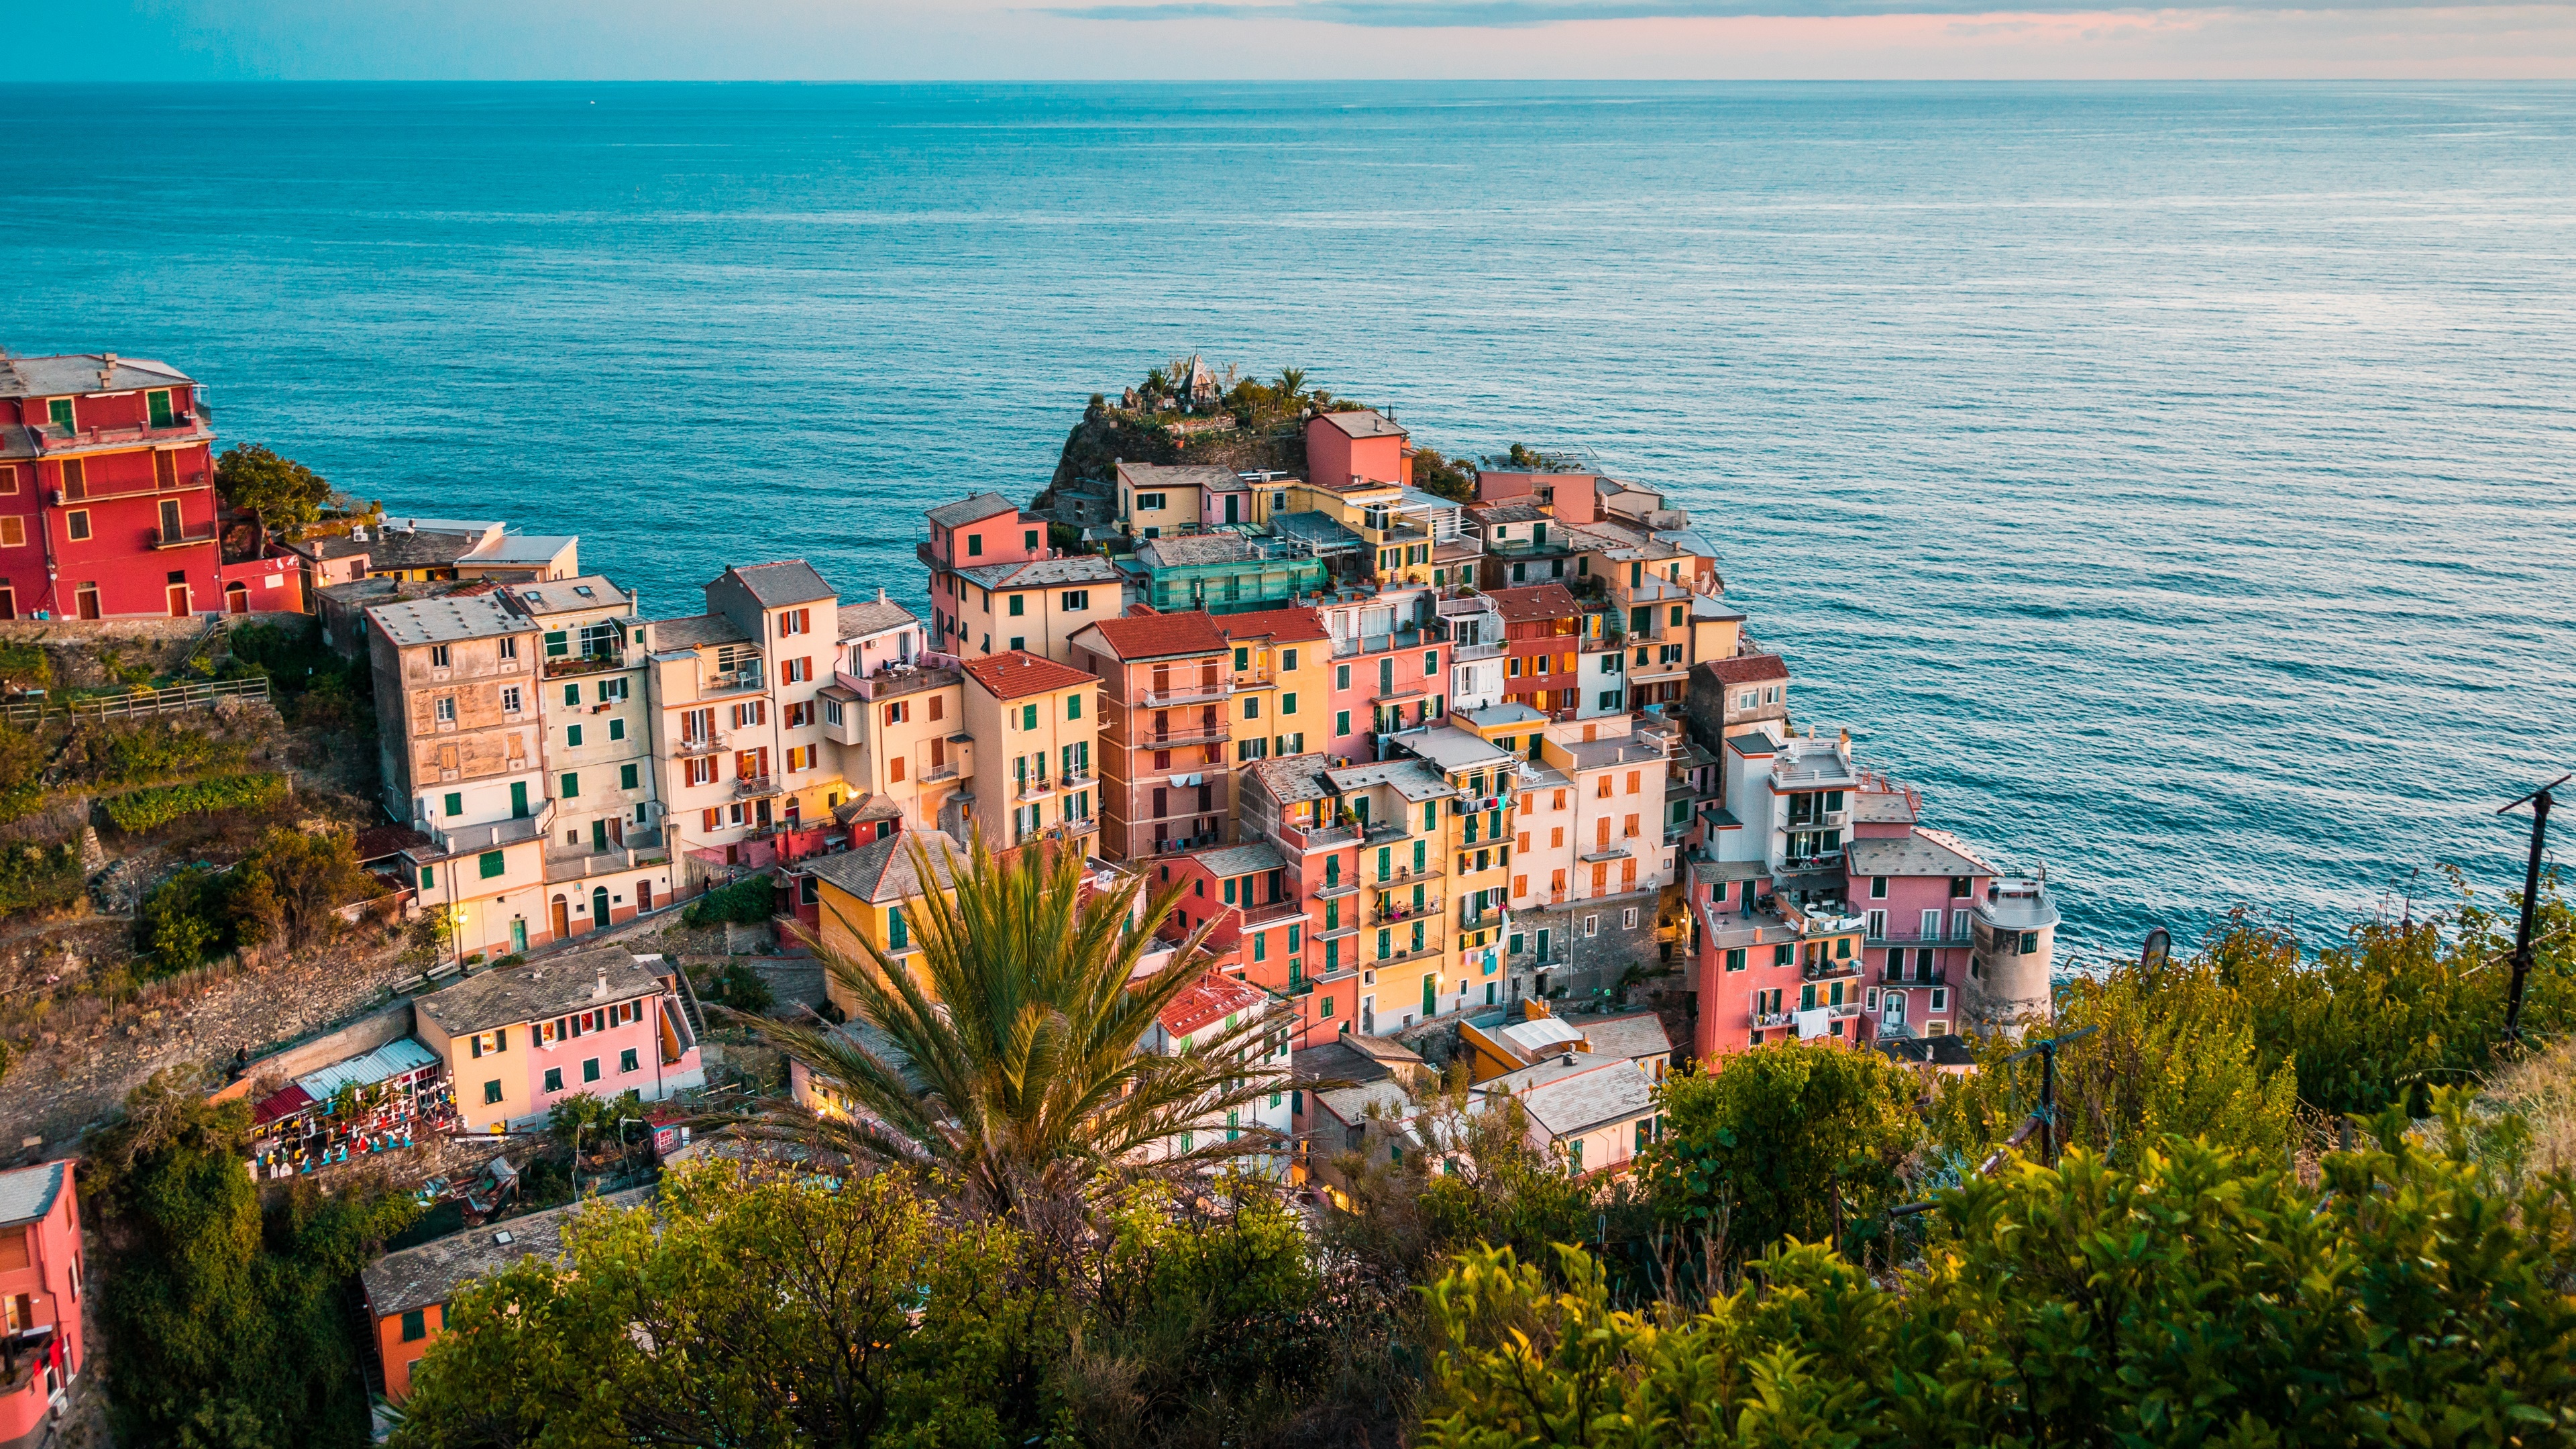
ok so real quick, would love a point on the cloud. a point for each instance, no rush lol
(1515, 14)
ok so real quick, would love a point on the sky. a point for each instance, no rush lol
(176, 40)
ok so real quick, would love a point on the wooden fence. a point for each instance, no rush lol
(137, 703)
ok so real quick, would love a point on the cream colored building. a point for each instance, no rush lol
(1039, 724)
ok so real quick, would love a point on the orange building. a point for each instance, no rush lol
(1166, 691)
(1364, 444)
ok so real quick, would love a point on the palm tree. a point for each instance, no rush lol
(1292, 383)
(1011, 1051)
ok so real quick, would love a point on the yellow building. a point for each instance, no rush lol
(1039, 722)
(1403, 950)
(903, 736)
(1281, 677)
(874, 894)
(1476, 843)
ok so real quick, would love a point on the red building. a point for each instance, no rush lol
(42, 1278)
(1342, 448)
(1542, 634)
(107, 491)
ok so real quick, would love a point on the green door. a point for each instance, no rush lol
(159, 402)
(1430, 997)
(519, 800)
(598, 907)
(518, 934)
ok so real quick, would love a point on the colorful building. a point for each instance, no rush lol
(520, 1039)
(873, 895)
(1040, 724)
(43, 1275)
(1291, 804)
(1362, 445)
(1166, 731)
(107, 491)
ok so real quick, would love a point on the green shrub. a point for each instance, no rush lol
(742, 989)
(109, 753)
(2200, 1296)
(186, 921)
(34, 878)
(747, 902)
(24, 666)
(141, 810)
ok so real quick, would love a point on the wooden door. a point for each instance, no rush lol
(236, 598)
(178, 601)
(86, 602)
(563, 918)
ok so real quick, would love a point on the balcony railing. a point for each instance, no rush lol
(584, 664)
(1193, 735)
(691, 745)
(752, 786)
(1472, 919)
(1470, 653)
(1404, 873)
(1395, 911)
(187, 536)
(736, 682)
(1919, 937)
(1190, 694)
(1764, 1020)
(1917, 976)
(1828, 970)
(1178, 844)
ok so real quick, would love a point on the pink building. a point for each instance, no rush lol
(1364, 444)
(520, 1039)
(1918, 889)
(41, 1281)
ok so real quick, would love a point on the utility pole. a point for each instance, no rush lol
(2540, 800)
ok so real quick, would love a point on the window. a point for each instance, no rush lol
(571, 784)
(1018, 605)
(455, 803)
(796, 671)
(2029, 943)
(1073, 707)
(490, 864)
(1735, 958)
(1028, 716)
(1591, 925)
(1149, 500)
(13, 531)
(831, 711)
(415, 1321)
(1341, 722)
(590, 1070)
(572, 736)
(1251, 707)
(1430, 663)
(1076, 600)
(975, 547)
(1878, 888)
(509, 648)
(898, 711)
(1940, 998)
(76, 523)
(793, 621)
(1628, 919)
(572, 697)
(617, 729)
(554, 1079)
(896, 937)
(491, 1093)
(445, 709)
(510, 699)
(438, 656)
(1342, 679)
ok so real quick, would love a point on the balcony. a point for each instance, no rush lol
(188, 536)
(1389, 914)
(1187, 842)
(180, 425)
(470, 839)
(692, 745)
(893, 680)
(1190, 694)
(1215, 734)
(1027, 790)
(1765, 1020)
(641, 847)
(584, 664)
(1920, 937)
(753, 787)
(740, 681)
(1083, 780)
(1380, 832)
(1472, 919)
(1829, 970)
(1272, 914)
(1470, 653)
(941, 774)
(1402, 874)
(1917, 976)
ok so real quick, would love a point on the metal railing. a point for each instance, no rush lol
(187, 534)
(1404, 911)
(134, 703)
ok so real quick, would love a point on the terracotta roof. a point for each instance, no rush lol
(1289, 625)
(1538, 601)
(1156, 636)
(1016, 674)
(1210, 998)
(1748, 668)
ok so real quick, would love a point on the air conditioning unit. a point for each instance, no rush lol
(58, 498)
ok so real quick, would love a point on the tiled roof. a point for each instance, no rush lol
(551, 987)
(881, 872)
(1565, 1101)
(972, 510)
(1514, 511)
(1288, 626)
(1747, 668)
(29, 1192)
(1632, 1035)
(1150, 476)
(857, 621)
(448, 619)
(78, 373)
(776, 585)
(434, 1271)
(1365, 423)
(1159, 636)
(566, 596)
(1210, 998)
(1016, 674)
(1081, 568)
(1194, 549)
(867, 809)
(1292, 779)
(1234, 860)
(1537, 601)
(689, 631)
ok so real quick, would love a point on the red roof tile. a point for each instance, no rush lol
(1156, 636)
(1016, 673)
(1284, 624)
(1210, 998)
(1748, 668)
(1538, 601)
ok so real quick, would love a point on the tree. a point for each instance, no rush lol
(293, 884)
(2199, 1296)
(1292, 385)
(279, 494)
(1016, 1035)
(230, 1324)
(752, 1307)
(1448, 478)
(1785, 1140)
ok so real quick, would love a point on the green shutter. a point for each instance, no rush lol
(558, 643)
(1073, 705)
(626, 777)
(491, 864)
(455, 804)
(428, 878)
(571, 785)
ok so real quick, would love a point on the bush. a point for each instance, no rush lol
(2201, 1296)
(36, 878)
(740, 988)
(749, 901)
(22, 772)
(24, 666)
(110, 754)
(186, 920)
(139, 810)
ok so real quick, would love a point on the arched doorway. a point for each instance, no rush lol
(598, 908)
(563, 918)
(236, 597)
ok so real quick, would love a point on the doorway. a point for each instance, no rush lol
(599, 908)
(518, 933)
(563, 918)
(85, 602)
(643, 896)
(178, 602)
(236, 598)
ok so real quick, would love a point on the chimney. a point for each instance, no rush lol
(880, 593)
(601, 989)
(107, 369)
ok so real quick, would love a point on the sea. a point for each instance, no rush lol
(2176, 483)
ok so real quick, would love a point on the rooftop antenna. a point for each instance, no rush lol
(2540, 800)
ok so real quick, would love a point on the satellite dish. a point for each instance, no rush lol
(2158, 952)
